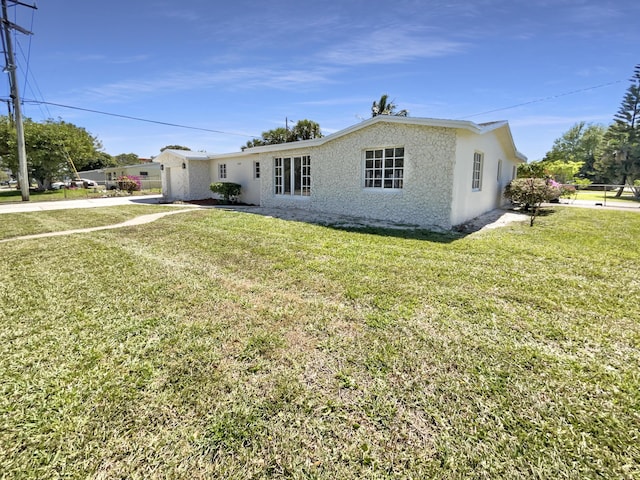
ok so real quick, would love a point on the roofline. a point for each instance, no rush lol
(472, 127)
(501, 124)
(427, 122)
(186, 154)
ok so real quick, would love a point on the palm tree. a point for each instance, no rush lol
(384, 107)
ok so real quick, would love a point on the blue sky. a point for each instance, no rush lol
(241, 67)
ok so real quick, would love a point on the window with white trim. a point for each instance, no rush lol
(478, 160)
(292, 176)
(256, 169)
(222, 171)
(499, 170)
(384, 168)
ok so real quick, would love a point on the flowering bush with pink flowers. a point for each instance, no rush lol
(129, 183)
(531, 192)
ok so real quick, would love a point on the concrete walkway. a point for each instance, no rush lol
(20, 207)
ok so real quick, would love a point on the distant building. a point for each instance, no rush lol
(148, 173)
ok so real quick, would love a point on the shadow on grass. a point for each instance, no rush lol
(366, 226)
(404, 233)
(542, 212)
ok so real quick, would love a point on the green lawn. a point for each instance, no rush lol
(221, 344)
(599, 196)
(29, 223)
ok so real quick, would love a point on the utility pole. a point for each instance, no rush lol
(7, 26)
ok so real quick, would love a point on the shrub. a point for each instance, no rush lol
(567, 190)
(581, 183)
(230, 191)
(531, 192)
(129, 183)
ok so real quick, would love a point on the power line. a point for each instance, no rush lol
(573, 92)
(33, 84)
(42, 102)
(28, 58)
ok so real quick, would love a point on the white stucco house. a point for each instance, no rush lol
(419, 171)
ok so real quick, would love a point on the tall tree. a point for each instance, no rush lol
(386, 107)
(125, 159)
(52, 148)
(174, 147)
(582, 143)
(621, 160)
(303, 130)
(100, 160)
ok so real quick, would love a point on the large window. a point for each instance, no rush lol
(293, 176)
(384, 168)
(478, 160)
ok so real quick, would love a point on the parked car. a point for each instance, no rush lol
(88, 183)
(78, 183)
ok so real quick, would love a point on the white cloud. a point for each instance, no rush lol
(391, 45)
(229, 79)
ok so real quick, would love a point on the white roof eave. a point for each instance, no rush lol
(428, 122)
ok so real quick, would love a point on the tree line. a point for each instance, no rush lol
(57, 150)
(593, 153)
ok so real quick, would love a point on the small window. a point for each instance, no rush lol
(144, 174)
(256, 169)
(222, 171)
(499, 170)
(476, 182)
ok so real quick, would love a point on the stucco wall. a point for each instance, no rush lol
(199, 180)
(337, 171)
(240, 171)
(467, 203)
(174, 178)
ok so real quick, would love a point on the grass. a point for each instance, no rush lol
(28, 223)
(599, 196)
(228, 345)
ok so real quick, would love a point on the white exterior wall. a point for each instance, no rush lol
(188, 183)
(240, 170)
(174, 178)
(199, 180)
(467, 203)
(95, 175)
(337, 176)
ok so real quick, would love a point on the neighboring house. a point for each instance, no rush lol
(418, 171)
(95, 175)
(148, 173)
